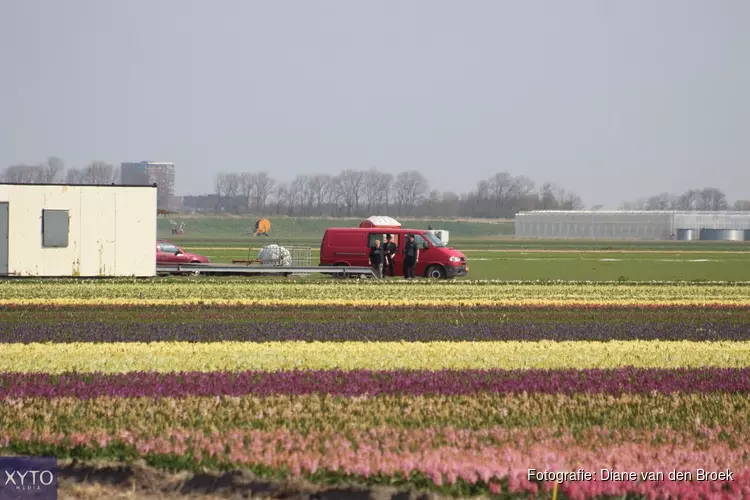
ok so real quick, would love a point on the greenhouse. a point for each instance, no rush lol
(636, 225)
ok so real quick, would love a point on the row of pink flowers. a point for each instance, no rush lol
(443, 455)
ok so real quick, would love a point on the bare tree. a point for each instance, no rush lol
(480, 199)
(53, 170)
(319, 186)
(560, 195)
(509, 191)
(662, 201)
(548, 196)
(432, 201)
(633, 205)
(231, 185)
(483, 190)
(370, 188)
(336, 195)
(689, 200)
(385, 186)
(246, 183)
(741, 205)
(351, 188)
(451, 204)
(314, 186)
(74, 176)
(18, 174)
(520, 187)
(35, 174)
(376, 190)
(220, 188)
(410, 188)
(500, 188)
(220, 184)
(30, 174)
(281, 193)
(712, 199)
(572, 202)
(707, 199)
(294, 193)
(262, 188)
(12, 174)
(99, 172)
(307, 194)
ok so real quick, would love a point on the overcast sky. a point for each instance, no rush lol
(612, 99)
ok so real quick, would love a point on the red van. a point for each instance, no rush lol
(350, 246)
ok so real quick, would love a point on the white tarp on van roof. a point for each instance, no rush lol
(383, 220)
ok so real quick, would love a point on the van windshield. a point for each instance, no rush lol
(434, 240)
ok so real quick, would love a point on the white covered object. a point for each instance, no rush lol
(441, 233)
(275, 255)
(383, 221)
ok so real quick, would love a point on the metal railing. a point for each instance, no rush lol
(301, 256)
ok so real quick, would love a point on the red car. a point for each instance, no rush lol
(167, 253)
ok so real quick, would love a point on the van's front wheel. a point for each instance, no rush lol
(435, 272)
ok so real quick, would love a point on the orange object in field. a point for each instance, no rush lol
(262, 226)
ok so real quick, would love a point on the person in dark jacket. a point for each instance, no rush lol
(411, 257)
(389, 254)
(376, 259)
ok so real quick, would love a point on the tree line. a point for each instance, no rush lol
(371, 192)
(704, 199)
(53, 171)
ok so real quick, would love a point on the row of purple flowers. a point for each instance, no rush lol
(371, 383)
(87, 331)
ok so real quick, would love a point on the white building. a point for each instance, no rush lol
(635, 225)
(77, 230)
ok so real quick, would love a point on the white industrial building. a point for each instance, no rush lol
(54, 230)
(636, 225)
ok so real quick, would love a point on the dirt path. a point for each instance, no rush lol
(115, 481)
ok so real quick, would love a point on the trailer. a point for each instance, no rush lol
(240, 270)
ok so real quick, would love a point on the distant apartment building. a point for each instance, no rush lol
(150, 172)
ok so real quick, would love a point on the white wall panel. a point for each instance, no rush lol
(112, 230)
(135, 220)
(97, 223)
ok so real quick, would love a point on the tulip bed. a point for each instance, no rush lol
(460, 388)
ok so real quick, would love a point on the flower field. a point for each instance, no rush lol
(461, 388)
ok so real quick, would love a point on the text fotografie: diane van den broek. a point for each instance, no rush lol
(615, 475)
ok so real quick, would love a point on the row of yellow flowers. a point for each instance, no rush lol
(272, 356)
(403, 301)
(335, 293)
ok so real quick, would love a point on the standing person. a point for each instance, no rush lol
(411, 257)
(376, 259)
(389, 251)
